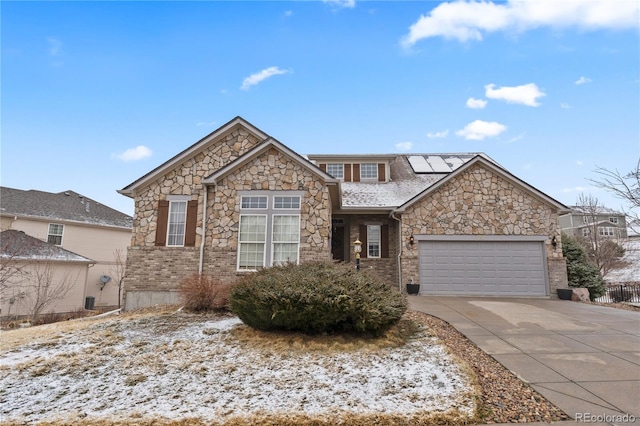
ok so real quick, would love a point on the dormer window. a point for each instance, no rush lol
(613, 220)
(336, 170)
(369, 171)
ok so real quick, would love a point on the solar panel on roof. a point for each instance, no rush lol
(419, 164)
(438, 164)
(454, 162)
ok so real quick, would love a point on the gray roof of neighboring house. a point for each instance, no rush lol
(20, 246)
(598, 210)
(63, 206)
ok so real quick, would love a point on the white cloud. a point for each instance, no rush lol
(288, 13)
(583, 80)
(515, 138)
(565, 105)
(55, 46)
(478, 130)
(341, 4)
(134, 154)
(526, 94)
(576, 189)
(437, 135)
(476, 103)
(404, 146)
(579, 162)
(470, 20)
(258, 77)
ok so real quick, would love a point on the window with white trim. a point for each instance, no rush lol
(586, 232)
(373, 241)
(369, 171)
(336, 170)
(607, 231)
(55, 234)
(269, 231)
(613, 220)
(177, 223)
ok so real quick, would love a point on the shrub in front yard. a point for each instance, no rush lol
(580, 272)
(317, 297)
(201, 293)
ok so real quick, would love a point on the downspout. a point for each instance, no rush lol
(204, 228)
(398, 260)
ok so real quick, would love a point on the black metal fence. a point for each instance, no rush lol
(625, 292)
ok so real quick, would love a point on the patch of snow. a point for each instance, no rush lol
(197, 368)
(631, 272)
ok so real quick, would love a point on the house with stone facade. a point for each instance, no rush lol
(239, 200)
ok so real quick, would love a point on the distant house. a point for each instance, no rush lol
(239, 200)
(582, 222)
(75, 223)
(38, 276)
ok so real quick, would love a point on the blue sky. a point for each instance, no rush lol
(96, 94)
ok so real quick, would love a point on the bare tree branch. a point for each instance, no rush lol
(40, 288)
(626, 187)
(118, 271)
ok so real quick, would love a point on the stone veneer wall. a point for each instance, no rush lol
(385, 268)
(159, 270)
(271, 171)
(185, 179)
(481, 202)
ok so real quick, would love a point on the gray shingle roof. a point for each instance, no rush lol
(17, 245)
(63, 206)
(405, 183)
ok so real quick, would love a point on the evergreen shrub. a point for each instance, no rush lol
(580, 272)
(315, 298)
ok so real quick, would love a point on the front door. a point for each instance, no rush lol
(337, 243)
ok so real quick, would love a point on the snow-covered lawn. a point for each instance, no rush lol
(631, 271)
(177, 365)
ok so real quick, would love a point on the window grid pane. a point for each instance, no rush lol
(373, 240)
(286, 202)
(55, 234)
(254, 202)
(252, 237)
(177, 222)
(368, 171)
(286, 238)
(336, 170)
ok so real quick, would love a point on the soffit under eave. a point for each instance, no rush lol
(503, 173)
(191, 151)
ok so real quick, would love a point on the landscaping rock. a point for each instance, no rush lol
(580, 295)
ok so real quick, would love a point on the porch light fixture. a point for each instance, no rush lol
(357, 248)
(411, 241)
(554, 242)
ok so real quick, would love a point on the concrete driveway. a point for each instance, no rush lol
(583, 358)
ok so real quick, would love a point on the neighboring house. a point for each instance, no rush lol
(239, 200)
(38, 276)
(76, 223)
(583, 222)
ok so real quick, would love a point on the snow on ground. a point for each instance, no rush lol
(180, 365)
(631, 272)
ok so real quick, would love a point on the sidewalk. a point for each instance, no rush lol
(583, 358)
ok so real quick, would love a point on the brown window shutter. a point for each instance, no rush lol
(323, 167)
(356, 172)
(381, 172)
(161, 225)
(384, 241)
(190, 228)
(363, 238)
(347, 172)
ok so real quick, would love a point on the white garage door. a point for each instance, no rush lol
(482, 268)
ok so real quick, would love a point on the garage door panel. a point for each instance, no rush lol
(489, 268)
